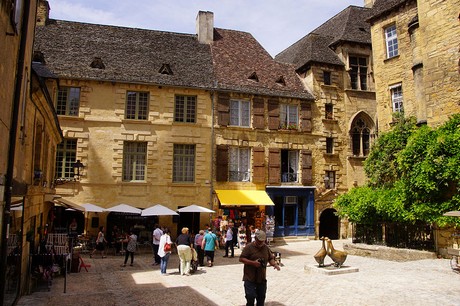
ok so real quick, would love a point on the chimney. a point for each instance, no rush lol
(369, 3)
(43, 13)
(205, 27)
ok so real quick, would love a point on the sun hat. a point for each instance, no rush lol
(260, 235)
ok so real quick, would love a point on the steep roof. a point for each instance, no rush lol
(347, 26)
(381, 7)
(242, 64)
(124, 54)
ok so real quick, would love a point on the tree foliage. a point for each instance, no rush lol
(413, 175)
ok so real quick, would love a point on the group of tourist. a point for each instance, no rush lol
(255, 255)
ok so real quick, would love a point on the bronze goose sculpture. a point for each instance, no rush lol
(321, 254)
(337, 256)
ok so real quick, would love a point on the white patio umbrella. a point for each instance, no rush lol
(195, 208)
(92, 207)
(453, 213)
(124, 208)
(158, 210)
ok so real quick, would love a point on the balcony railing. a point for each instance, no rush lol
(288, 177)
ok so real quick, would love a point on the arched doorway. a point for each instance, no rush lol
(329, 224)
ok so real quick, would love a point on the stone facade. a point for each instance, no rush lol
(426, 66)
(101, 131)
(35, 140)
(427, 62)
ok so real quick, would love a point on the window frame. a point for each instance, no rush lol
(391, 41)
(292, 160)
(140, 111)
(134, 167)
(327, 77)
(289, 112)
(329, 145)
(237, 113)
(182, 171)
(66, 156)
(331, 182)
(69, 107)
(239, 172)
(356, 72)
(397, 99)
(188, 113)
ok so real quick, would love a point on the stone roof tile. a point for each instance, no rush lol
(128, 54)
(242, 64)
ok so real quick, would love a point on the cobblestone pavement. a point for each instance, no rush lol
(378, 282)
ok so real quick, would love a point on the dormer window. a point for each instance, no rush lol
(97, 63)
(281, 81)
(254, 77)
(166, 69)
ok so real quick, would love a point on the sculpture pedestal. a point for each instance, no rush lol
(330, 269)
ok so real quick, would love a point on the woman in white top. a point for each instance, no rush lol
(164, 255)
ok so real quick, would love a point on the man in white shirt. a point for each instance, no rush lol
(157, 233)
(229, 240)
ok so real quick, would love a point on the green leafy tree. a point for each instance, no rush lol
(413, 176)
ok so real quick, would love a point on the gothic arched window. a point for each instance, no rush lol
(360, 137)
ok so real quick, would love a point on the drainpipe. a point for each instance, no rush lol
(12, 147)
(213, 95)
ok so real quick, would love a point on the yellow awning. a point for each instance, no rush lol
(243, 197)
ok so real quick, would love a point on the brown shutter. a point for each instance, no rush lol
(258, 165)
(274, 174)
(258, 111)
(305, 114)
(307, 168)
(222, 163)
(223, 109)
(273, 114)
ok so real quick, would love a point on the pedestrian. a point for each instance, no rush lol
(198, 242)
(164, 252)
(210, 244)
(100, 243)
(131, 246)
(157, 232)
(253, 233)
(184, 246)
(255, 257)
(229, 240)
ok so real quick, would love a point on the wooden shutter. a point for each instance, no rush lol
(273, 114)
(222, 163)
(258, 165)
(258, 111)
(307, 165)
(223, 109)
(305, 114)
(274, 162)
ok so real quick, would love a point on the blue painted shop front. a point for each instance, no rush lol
(294, 210)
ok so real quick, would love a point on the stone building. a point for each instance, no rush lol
(263, 133)
(135, 110)
(416, 59)
(416, 51)
(29, 132)
(335, 63)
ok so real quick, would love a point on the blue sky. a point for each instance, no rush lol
(276, 24)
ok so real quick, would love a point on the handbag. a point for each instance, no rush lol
(167, 247)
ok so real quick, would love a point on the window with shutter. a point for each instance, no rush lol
(258, 165)
(274, 174)
(305, 113)
(307, 168)
(222, 163)
(223, 109)
(273, 114)
(258, 111)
